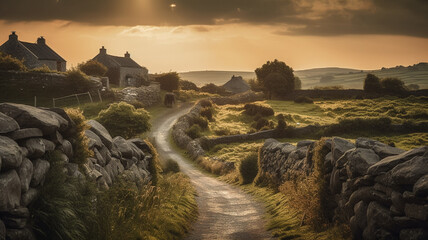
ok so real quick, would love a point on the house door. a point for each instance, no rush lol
(58, 66)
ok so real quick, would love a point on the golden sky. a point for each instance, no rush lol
(227, 35)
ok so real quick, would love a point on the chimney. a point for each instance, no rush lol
(41, 41)
(13, 36)
(103, 51)
(127, 55)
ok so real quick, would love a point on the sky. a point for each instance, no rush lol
(236, 35)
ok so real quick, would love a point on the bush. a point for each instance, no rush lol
(93, 68)
(205, 103)
(207, 112)
(194, 131)
(9, 63)
(77, 133)
(260, 123)
(201, 121)
(393, 86)
(171, 166)
(382, 124)
(214, 89)
(372, 84)
(188, 85)
(248, 169)
(302, 99)
(42, 69)
(282, 125)
(122, 119)
(168, 81)
(253, 109)
(78, 81)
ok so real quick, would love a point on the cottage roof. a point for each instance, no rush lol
(115, 61)
(42, 51)
(237, 85)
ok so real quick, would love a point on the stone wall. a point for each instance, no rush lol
(343, 94)
(379, 190)
(29, 134)
(147, 95)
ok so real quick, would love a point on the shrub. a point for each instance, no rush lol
(248, 169)
(207, 112)
(93, 68)
(282, 125)
(188, 85)
(302, 99)
(194, 131)
(253, 109)
(393, 86)
(255, 85)
(205, 103)
(168, 81)
(349, 125)
(372, 84)
(260, 123)
(171, 166)
(78, 81)
(124, 120)
(214, 89)
(77, 133)
(42, 69)
(9, 63)
(201, 121)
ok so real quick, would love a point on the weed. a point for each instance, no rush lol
(194, 131)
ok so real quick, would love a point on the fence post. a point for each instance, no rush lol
(78, 102)
(90, 97)
(99, 95)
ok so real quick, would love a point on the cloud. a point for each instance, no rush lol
(292, 17)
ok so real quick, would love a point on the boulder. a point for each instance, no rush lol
(10, 189)
(367, 194)
(390, 162)
(16, 218)
(36, 147)
(380, 216)
(339, 147)
(29, 196)
(421, 186)
(7, 124)
(56, 138)
(123, 146)
(397, 201)
(32, 117)
(407, 173)
(94, 140)
(105, 153)
(385, 150)
(66, 148)
(140, 144)
(41, 167)
(105, 174)
(25, 174)
(99, 157)
(414, 234)
(25, 133)
(359, 160)
(304, 143)
(416, 211)
(10, 153)
(102, 132)
(360, 211)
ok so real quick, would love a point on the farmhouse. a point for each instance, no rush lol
(237, 85)
(34, 54)
(122, 71)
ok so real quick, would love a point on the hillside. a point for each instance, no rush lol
(346, 77)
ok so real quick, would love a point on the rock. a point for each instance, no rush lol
(10, 189)
(385, 150)
(116, 166)
(406, 222)
(421, 187)
(10, 153)
(339, 147)
(328, 165)
(36, 147)
(63, 114)
(41, 167)
(102, 184)
(66, 148)
(7, 124)
(304, 143)
(102, 132)
(32, 117)
(367, 194)
(140, 144)
(360, 211)
(71, 168)
(397, 201)
(94, 174)
(94, 140)
(409, 172)
(335, 183)
(359, 160)
(124, 148)
(49, 145)
(25, 133)
(127, 163)
(414, 234)
(416, 211)
(390, 162)
(16, 218)
(380, 215)
(99, 157)
(25, 174)
(2, 230)
(56, 138)
(366, 143)
(105, 174)
(19, 234)
(29, 196)
(105, 153)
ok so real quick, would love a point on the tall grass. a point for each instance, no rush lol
(77, 133)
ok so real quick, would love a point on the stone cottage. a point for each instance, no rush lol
(237, 85)
(34, 54)
(122, 71)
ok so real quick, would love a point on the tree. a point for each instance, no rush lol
(169, 81)
(93, 68)
(275, 78)
(393, 86)
(372, 84)
(297, 83)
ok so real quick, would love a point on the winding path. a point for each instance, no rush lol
(225, 212)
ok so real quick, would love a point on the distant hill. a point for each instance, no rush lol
(346, 77)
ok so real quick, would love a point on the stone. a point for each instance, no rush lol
(416, 211)
(56, 138)
(385, 150)
(122, 145)
(105, 153)
(380, 215)
(16, 218)
(335, 183)
(94, 140)
(63, 158)
(94, 174)
(367, 194)
(360, 211)
(397, 201)
(407, 173)
(32, 117)
(142, 145)
(304, 143)
(406, 222)
(102, 184)
(390, 162)
(64, 115)
(25, 174)
(29, 196)
(10, 153)
(2, 230)
(366, 143)
(105, 174)
(99, 157)
(49, 145)
(421, 186)
(414, 234)
(36, 147)
(71, 168)
(10, 189)
(339, 147)
(359, 160)
(127, 163)
(41, 168)
(19, 234)
(25, 133)
(136, 152)
(102, 132)
(7, 124)
(66, 148)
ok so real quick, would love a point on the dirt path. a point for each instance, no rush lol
(225, 212)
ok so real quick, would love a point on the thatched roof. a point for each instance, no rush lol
(237, 85)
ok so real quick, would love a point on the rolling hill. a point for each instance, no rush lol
(346, 77)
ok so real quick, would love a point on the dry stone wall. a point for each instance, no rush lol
(379, 190)
(147, 95)
(29, 134)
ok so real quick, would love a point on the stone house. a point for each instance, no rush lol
(34, 54)
(237, 85)
(122, 71)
